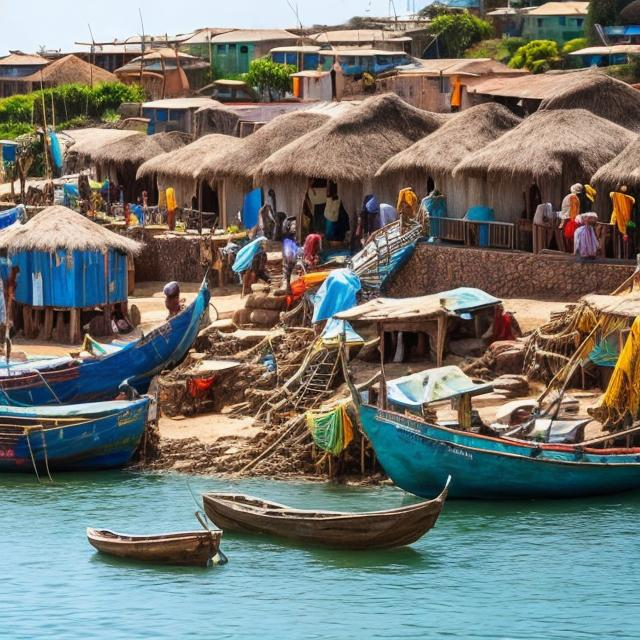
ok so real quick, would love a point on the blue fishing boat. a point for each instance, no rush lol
(65, 380)
(85, 437)
(419, 457)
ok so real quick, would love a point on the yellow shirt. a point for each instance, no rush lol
(622, 208)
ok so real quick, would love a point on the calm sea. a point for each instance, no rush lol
(488, 570)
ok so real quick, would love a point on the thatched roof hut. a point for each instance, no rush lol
(600, 94)
(58, 227)
(437, 155)
(624, 169)
(243, 160)
(70, 69)
(89, 142)
(136, 149)
(555, 149)
(351, 147)
(184, 170)
(66, 262)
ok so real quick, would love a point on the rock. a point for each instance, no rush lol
(511, 386)
(467, 347)
(509, 359)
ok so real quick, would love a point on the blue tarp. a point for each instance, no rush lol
(432, 385)
(9, 152)
(71, 279)
(70, 192)
(337, 293)
(56, 150)
(250, 208)
(336, 329)
(11, 216)
(245, 256)
(482, 214)
(465, 299)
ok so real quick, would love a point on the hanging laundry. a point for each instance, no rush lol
(331, 431)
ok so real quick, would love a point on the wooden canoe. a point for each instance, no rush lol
(196, 548)
(338, 530)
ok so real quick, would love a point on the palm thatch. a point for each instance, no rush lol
(440, 152)
(600, 94)
(554, 149)
(187, 162)
(61, 228)
(243, 160)
(90, 142)
(624, 169)
(352, 146)
(549, 145)
(136, 149)
(70, 69)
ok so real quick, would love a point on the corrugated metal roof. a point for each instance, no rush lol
(253, 35)
(533, 87)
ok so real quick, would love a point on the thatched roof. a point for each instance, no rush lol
(441, 151)
(138, 148)
(354, 145)
(61, 228)
(70, 69)
(187, 162)
(600, 94)
(548, 145)
(89, 142)
(243, 160)
(624, 169)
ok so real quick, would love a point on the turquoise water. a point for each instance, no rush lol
(488, 570)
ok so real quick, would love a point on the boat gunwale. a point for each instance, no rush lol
(135, 539)
(288, 513)
(506, 454)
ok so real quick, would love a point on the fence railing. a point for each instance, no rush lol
(472, 233)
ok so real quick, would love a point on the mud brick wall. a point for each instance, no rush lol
(166, 258)
(505, 274)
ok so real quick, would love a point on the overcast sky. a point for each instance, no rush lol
(57, 24)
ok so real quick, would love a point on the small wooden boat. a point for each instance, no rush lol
(193, 548)
(335, 529)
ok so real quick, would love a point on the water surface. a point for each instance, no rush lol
(566, 569)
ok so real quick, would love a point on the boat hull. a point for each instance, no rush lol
(99, 378)
(336, 530)
(187, 548)
(418, 457)
(98, 442)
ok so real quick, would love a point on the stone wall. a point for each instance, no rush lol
(169, 257)
(505, 274)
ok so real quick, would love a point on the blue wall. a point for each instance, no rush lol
(72, 279)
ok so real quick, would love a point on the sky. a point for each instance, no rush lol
(56, 24)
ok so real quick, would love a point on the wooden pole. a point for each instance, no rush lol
(382, 400)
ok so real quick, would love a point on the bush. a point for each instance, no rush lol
(573, 45)
(68, 101)
(500, 49)
(459, 31)
(537, 56)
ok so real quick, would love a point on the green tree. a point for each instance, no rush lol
(537, 56)
(270, 77)
(456, 32)
(573, 45)
(434, 10)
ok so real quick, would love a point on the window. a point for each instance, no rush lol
(562, 20)
(221, 49)
(579, 22)
(232, 48)
(244, 49)
(540, 23)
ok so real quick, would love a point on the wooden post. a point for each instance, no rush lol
(75, 330)
(48, 323)
(442, 338)
(464, 411)
(382, 400)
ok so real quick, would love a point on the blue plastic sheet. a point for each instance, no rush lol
(9, 152)
(70, 192)
(11, 216)
(336, 330)
(72, 279)
(245, 256)
(251, 207)
(337, 293)
(482, 214)
(56, 150)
